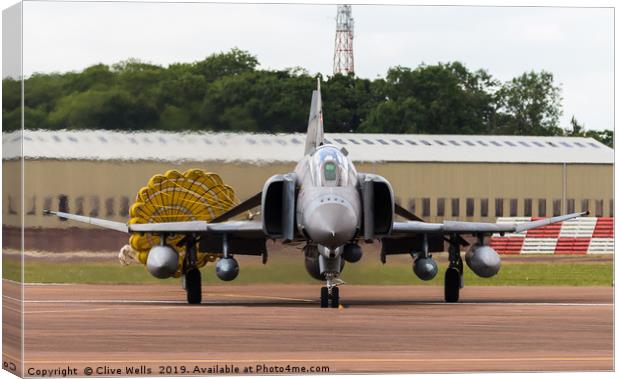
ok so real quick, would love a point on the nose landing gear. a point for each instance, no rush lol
(330, 294)
(330, 266)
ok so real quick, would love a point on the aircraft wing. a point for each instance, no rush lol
(405, 213)
(460, 227)
(234, 227)
(245, 206)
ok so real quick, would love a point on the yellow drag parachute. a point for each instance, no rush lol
(194, 195)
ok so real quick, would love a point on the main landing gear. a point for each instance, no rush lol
(453, 280)
(193, 286)
(192, 281)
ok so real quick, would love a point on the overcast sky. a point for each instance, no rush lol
(575, 44)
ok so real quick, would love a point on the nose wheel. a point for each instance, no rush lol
(330, 298)
(330, 294)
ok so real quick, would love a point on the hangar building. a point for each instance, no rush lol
(98, 173)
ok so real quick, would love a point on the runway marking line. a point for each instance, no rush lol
(215, 302)
(327, 360)
(266, 297)
(101, 309)
(35, 283)
(12, 309)
(86, 301)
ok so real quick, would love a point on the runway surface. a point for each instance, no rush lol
(381, 329)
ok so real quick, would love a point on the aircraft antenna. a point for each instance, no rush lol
(343, 49)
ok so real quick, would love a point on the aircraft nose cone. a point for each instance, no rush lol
(331, 224)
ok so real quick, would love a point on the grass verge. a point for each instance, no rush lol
(290, 271)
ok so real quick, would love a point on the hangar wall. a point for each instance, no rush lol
(434, 190)
(508, 189)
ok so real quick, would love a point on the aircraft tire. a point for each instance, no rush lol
(335, 297)
(324, 297)
(193, 286)
(452, 285)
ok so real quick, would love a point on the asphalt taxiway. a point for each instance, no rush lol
(379, 329)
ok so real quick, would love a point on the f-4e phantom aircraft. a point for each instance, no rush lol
(329, 208)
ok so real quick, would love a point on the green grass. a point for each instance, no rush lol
(11, 269)
(292, 271)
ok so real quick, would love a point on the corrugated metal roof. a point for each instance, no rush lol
(163, 146)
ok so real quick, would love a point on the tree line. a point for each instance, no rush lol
(229, 92)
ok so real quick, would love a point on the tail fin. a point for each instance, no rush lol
(314, 136)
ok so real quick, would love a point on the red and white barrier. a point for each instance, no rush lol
(584, 235)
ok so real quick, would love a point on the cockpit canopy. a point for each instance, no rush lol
(331, 168)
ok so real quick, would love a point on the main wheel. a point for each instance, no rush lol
(193, 286)
(452, 285)
(335, 297)
(324, 297)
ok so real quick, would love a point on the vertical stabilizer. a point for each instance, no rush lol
(314, 137)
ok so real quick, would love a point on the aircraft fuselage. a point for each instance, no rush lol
(328, 207)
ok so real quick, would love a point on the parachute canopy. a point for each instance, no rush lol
(195, 195)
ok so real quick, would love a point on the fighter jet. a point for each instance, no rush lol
(329, 208)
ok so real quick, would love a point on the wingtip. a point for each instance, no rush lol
(47, 212)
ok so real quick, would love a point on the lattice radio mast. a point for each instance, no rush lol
(343, 50)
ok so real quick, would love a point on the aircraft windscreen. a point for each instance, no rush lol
(331, 167)
(329, 171)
